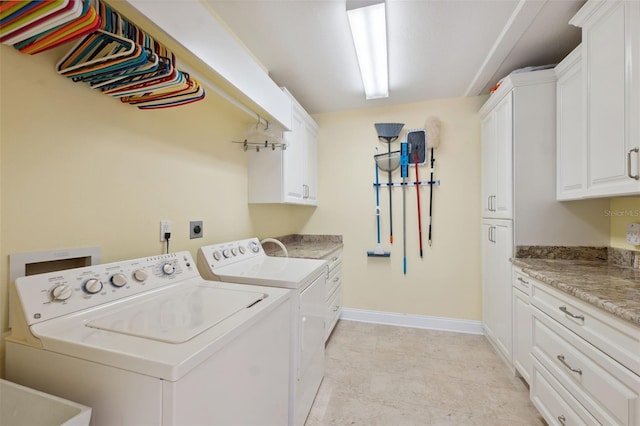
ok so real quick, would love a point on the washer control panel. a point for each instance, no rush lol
(50, 295)
(225, 254)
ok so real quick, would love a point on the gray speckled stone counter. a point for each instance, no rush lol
(305, 246)
(609, 287)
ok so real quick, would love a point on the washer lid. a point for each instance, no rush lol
(284, 272)
(178, 316)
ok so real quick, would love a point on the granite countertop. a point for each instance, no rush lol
(305, 245)
(612, 288)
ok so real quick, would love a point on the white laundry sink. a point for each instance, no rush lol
(22, 406)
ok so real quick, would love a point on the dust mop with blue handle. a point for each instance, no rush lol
(379, 251)
(404, 172)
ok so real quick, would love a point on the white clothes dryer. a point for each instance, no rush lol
(149, 342)
(245, 262)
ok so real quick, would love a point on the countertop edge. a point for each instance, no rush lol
(587, 297)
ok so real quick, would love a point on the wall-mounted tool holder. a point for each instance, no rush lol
(421, 183)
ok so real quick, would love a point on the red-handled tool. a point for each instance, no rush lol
(415, 163)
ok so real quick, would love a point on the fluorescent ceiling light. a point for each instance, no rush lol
(369, 30)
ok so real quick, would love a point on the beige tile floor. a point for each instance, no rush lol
(385, 375)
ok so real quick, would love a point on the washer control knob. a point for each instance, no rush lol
(226, 253)
(168, 269)
(93, 286)
(118, 280)
(254, 247)
(234, 251)
(140, 275)
(241, 250)
(217, 255)
(61, 292)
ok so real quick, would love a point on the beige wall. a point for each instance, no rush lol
(81, 169)
(622, 212)
(446, 282)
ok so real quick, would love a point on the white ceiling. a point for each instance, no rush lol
(437, 48)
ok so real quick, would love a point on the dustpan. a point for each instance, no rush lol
(389, 161)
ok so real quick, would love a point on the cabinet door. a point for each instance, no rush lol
(522, 337)
(497, 161)
(311, 161)
(293, 163)
(489, 175)
(497, 248)
(571, 145)
(611, 61)
(504, 158)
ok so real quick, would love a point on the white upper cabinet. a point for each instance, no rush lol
(497, 161)
(287, 176)
(611, 70)
(570, 137)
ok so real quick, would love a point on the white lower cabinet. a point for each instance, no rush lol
(522, 323)
(576, 379)
(333, 292)
(497, 249)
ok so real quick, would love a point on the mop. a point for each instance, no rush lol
(432, 126)
(379, 251)
(404, 172)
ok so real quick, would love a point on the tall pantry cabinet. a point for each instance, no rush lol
(518, 132)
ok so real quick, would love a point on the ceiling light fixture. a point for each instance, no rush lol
(369, 31)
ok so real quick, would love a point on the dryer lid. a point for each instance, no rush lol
(177, 317)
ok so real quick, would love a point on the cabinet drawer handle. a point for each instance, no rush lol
(575, 370)
(636, 177)
(572, 315)
(562, 420)
(523, 281)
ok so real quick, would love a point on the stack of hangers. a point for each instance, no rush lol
(113, 56)
(35, 26)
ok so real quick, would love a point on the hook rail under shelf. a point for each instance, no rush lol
(264, 145)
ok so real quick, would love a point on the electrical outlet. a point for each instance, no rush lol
(633, 234)
(165, 226)
(195, 229)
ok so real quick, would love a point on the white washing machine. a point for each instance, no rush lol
(149, 342)
(245, 262)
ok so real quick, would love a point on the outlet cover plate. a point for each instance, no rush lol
(195, 229)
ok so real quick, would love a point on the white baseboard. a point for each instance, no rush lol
(413, 321)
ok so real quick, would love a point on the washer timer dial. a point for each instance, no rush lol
(168, 269)
(61, 292)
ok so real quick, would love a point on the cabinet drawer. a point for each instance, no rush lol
(609, 391)
(334, 308)
(334, 280)
(334, 259)
(522, 282)
(553, 402)
(617, 338)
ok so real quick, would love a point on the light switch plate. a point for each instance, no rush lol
(633, 234)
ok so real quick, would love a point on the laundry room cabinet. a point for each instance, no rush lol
(290, 175)
(611, 86)
(518, 181)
